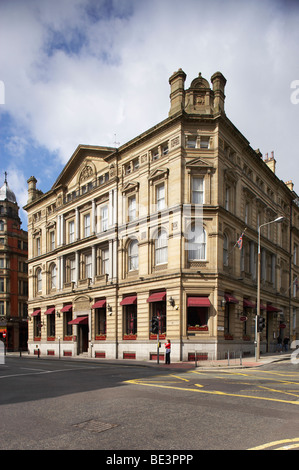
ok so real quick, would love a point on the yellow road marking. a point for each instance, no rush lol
(177, 377)
(266, 378)
(278, 391)
(292, 446)
(136, 382)
(288, 374)
(274, 443)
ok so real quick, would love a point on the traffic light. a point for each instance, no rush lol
(260, 324)
(155, 325)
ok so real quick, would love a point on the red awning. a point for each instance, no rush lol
(157, 297)
(99, 304)
(67, 308)
(79, 321)
(50, 310)
(263, 307)
(129, 300)
(36, 313)
(198, 302)
(248, 304)
(270, 308)
(231, 299)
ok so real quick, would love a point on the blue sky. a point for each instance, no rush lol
(96, 71)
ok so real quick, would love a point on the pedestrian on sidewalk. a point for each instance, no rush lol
(167, 351)
(279, 344)
(286, 344)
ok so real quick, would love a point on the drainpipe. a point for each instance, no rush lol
(116, 261)
(290, 268)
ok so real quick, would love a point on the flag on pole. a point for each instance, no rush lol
(240, 241)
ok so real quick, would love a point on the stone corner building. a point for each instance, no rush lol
(150, 229)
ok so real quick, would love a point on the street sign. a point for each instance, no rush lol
(243, 318)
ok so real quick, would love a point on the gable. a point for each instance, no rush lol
(86, 163)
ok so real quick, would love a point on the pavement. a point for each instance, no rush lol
(233, 363)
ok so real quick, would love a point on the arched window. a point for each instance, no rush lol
(161, 248)
(133, 255)
(53, 276)
(196, 243)
(38, 280)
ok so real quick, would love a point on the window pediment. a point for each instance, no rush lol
(199, 163)
(231, 175)
(131, 186)
(37, 232)
(249, 193)
(159, 173)
(51, 224)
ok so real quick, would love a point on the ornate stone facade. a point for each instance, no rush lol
(151, 229)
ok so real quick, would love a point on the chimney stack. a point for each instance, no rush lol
(271, 162)
(219, 82)
(290, 185)
(177, 92)
(31, 188)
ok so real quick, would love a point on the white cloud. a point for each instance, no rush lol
(78, 71)
(16, 146)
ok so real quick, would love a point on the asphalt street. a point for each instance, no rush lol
(76, 405)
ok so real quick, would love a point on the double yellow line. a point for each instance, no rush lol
(289, 444)
(208, 392)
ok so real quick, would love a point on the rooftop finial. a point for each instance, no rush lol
(5, 174)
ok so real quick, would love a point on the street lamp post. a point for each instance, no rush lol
(258, 303)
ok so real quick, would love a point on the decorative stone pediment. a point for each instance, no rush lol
(198, 163)
(248, 193)
(84, 165)
(87, 172)
(130, 186)
(199, 98)
(37, 232)
(51, 224)
(199, 82)
(159, 173)
(231, 175)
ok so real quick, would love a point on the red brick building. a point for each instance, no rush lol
(13, 273)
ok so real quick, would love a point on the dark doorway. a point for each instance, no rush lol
(82, 339)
